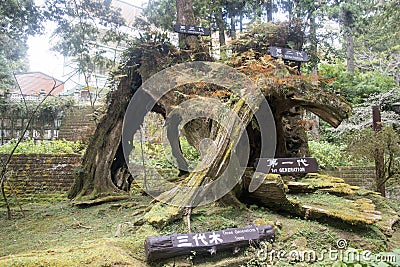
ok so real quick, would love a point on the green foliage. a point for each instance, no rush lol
(361, 117)
(360, 145)
(329, 154)
(160, 157)
(6, 75)
(357, 86)
(79, 31)
(161, 14)
(48, 111)
(43, 147)
(53, 104)
(18, 20)
(91, 33)
(377, 38)
(363, 143)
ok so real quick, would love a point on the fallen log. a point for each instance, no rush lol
(162, 247)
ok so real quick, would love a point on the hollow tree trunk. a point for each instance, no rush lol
(196, 130)
(219, 159)
(99, 175)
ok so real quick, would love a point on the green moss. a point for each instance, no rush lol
(101, 252)
(160, 215)
(273, 177)
(30, 196)
(62, 235)
(330, 184)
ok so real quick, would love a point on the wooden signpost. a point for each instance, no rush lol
(161, 247)
(286, 165)
(193, 30)
(288, 54)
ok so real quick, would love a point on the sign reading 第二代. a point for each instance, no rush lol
(215, 238)
(288, 54)
(194, 30)
(286, 165)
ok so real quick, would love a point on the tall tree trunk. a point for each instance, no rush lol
(270, 10)
(347, 27)
(241, 21)
(313, 42)
(350, 50)
(233, 27)
(221, 31)
(185, 16)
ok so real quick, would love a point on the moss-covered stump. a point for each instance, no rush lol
(271, 193)
(325, 183)
(325, 198)
(326, 207)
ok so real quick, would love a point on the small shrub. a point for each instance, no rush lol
(329, 154)
(357, 87)
(43, 147)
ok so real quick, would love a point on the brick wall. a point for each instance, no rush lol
(362, 176)
(34, 173)
(393, 192)
(355, 175)
(78, 123)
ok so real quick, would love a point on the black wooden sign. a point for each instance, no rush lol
(215, 238)
(194, 30)
(161, 247)
(289, 54)
(286, 165)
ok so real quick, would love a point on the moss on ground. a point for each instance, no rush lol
(59, 234)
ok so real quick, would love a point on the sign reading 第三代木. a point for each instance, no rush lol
(286, 165)
(288, 54)
(194, 30)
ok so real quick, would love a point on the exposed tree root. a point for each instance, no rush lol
(98, 201)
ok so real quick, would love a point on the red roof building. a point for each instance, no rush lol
(36, 83)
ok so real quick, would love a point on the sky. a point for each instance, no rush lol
(42, 59)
